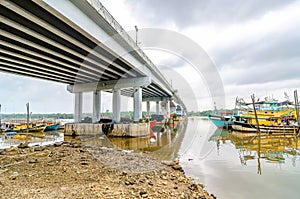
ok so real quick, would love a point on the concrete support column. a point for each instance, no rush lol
(78, 107)
(148, 108)
(96, 106)
(157, 107)
(116, 105)
(137, 103)
(168, 108)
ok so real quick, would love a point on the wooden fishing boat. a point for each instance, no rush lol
(248, 127)
(221, 122)
(52, 127)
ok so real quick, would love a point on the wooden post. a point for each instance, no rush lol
(27, 125)
(258, 131)
(0, 120)
(253, 103)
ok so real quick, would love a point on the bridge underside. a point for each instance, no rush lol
(37, 41)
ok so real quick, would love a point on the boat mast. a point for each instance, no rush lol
(0, 120)
(296, 106)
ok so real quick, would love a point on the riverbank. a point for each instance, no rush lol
(73, 170)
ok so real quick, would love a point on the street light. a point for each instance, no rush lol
(136, 30)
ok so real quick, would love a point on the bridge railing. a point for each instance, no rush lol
(110, 19)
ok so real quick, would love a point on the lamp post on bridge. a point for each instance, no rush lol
(136, 35)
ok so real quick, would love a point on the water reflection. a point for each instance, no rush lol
(41, 139)
(165, 146)
(228, 164)
(271, 148)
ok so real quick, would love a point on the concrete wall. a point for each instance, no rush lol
(119, 130)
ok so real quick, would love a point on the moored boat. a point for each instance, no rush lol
(52, 127)
(221, 122)
(279, 129)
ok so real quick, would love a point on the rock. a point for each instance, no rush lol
(143, 192)
(23, 145)
(127, 183)
(32, 161)
(14, 175)
(193, 187)
(58, 144)
(168, 163)
(2, 152)
(150, 183)
(177, 167)
(39, 148)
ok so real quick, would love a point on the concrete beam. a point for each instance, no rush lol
(78, 107)
(116, 105)
(109, 85)
(153, 99)
(96, 106)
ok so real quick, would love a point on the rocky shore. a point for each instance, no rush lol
(73, 170)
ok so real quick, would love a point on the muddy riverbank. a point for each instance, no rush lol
(72, 170)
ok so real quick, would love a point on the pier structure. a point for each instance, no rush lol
(80, 44)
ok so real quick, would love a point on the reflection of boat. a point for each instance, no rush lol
(275, 157)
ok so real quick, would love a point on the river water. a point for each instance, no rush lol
(229, 164)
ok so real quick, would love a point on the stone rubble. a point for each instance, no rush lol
(71, 170)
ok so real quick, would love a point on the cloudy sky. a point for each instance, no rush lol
(254, 45)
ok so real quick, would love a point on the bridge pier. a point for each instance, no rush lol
(148, 108)
(137, 103)
(96, 106)
(78, 107)
(157, 107)
(168, 108)
(116, 105)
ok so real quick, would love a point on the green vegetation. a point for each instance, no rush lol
(208, 112)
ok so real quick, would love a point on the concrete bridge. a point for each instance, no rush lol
(78, 43)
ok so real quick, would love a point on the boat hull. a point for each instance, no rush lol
(246, 127)
(52, 127)
(219, 122)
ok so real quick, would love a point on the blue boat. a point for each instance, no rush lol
(11, 133)
(52, 127)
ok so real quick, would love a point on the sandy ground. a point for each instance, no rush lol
(71, 170)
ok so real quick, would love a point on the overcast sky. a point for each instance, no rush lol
(254, 45)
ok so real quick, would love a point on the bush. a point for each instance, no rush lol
(175, 116)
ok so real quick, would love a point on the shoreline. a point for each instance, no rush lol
(71, 170)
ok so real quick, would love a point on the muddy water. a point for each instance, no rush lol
(43, 139)
(229, 164)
